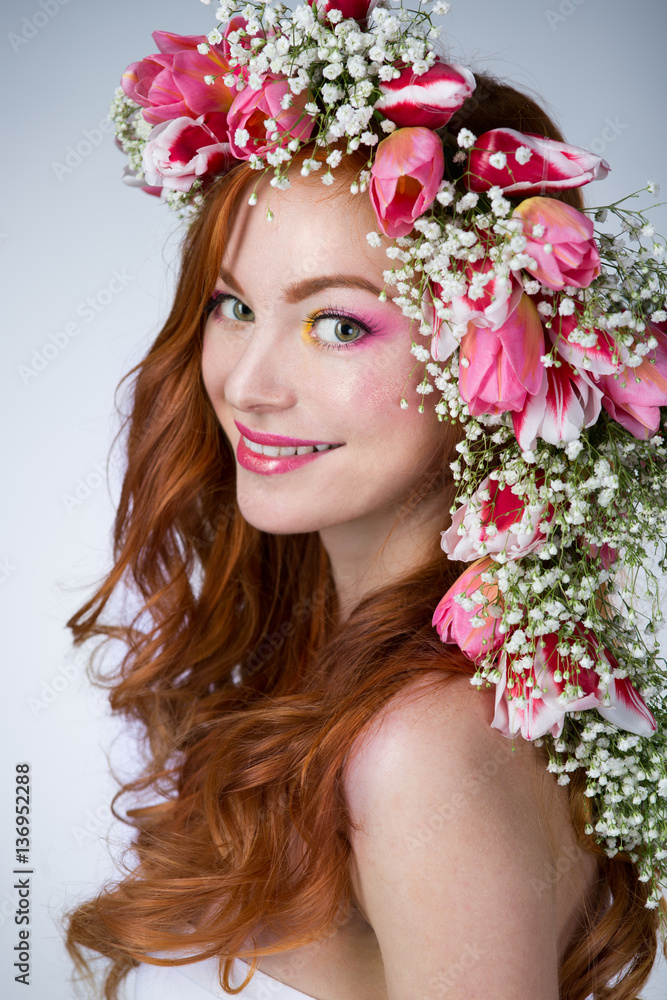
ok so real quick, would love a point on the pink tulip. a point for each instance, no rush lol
(429, 99)
(189, 70)
(551, 166)
(605, 358)
(495, 521)
(455, 625)
(566, 402)
(181, 151)
(500, 369)
(634, 396)
(356, 10)
(516, 711)
(405, 176)
(250, 110)
(171, 84)
(563, 245)
(494, 301)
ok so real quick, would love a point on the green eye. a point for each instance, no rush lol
(337, 330)
(240, 310)
(227, 306)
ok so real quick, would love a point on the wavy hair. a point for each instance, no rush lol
(248, 696)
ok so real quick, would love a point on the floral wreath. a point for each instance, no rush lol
(546, 339)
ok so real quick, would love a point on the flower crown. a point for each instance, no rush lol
(546, 340)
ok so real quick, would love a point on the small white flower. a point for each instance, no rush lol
(566, 307)
(441, 7)
(468, 201)
(523, 155)
(466, 139)
(209, 79)
(653, 187)
(332, 70)
(387, 126)
(241, 136)
(538, 230)
(327, 178)
(374, 239)
(214, 37)
(498, 160)
(203, 48)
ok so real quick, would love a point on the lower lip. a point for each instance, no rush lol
(270, 465)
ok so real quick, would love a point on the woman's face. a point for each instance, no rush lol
(299, 349)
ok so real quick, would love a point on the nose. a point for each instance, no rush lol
(263, 378)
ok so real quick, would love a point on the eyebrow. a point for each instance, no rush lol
(299, 290)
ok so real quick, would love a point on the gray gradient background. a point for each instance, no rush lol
(600, 66)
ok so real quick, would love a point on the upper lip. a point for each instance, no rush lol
(260, 437)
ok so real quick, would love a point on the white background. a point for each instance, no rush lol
(67, 225)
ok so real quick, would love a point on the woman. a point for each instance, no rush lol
(331, 783)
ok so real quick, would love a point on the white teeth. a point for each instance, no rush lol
(253, 446)
(273, 451)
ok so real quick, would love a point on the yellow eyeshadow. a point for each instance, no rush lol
(306, 335)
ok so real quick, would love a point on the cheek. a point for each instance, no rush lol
(217, 361)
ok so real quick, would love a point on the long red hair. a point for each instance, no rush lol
(247, 693)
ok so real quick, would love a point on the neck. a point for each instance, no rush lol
(374, 551)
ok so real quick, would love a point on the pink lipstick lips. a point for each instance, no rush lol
(269, 454)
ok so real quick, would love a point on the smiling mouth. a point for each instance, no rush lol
(273, 451)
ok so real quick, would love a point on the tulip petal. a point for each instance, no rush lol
(628, 709)
(499, 367)
(552, 166)
(429, 99)
(405, 176)
(189, 70)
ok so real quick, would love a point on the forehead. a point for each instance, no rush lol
(315, 230)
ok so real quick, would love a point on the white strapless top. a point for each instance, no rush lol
(199, 980)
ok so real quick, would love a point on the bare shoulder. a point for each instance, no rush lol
(456, 835)
(435, 732)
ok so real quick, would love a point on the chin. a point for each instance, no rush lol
(275, 519)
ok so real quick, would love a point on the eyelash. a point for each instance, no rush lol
(215, 301)
(329, 312)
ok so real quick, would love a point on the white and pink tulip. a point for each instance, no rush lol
(495, 522)
(535, 701)
(181, 151)
(429, 99)
(529, 163)
(567, 401)
(486, 303)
